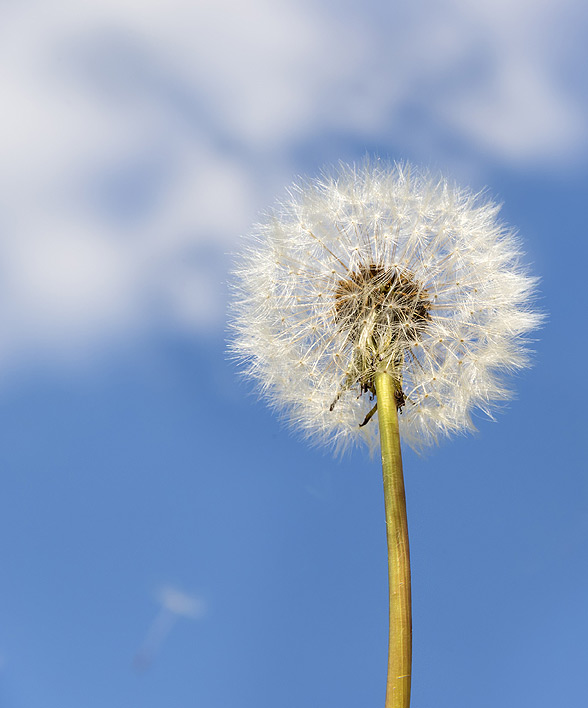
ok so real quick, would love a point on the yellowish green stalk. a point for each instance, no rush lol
(400, 637)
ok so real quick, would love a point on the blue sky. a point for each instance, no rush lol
(165, 541)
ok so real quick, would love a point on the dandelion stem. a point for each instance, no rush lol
(400, 637)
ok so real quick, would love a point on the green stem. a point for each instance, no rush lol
(400, 637)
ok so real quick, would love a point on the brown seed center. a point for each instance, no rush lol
(386, 304)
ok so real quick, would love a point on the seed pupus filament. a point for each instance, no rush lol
(383, 311)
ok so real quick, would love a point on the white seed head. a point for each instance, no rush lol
(381, 268)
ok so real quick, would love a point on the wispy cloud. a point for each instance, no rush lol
(174, 604)
(137, 139)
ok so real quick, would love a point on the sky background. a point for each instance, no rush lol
(164, 540)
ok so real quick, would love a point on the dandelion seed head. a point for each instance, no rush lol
(382, 268)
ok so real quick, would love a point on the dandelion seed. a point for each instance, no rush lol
(382, 268)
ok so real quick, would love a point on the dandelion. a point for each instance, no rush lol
(374, 291)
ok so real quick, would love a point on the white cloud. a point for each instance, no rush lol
(175, 604)
(137, 139)
(519, 109)
(487, 75)
(180, 603)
